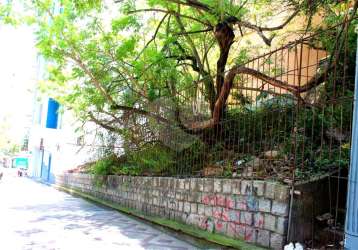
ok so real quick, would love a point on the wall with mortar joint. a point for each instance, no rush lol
(250, 210)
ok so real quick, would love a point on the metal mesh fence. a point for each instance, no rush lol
(288, 118)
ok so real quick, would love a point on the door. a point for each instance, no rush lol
(46, 166)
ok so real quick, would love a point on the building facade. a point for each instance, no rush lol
(54, 142)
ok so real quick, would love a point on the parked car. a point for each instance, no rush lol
(21, 164)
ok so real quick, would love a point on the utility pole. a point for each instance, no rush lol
(351, 225)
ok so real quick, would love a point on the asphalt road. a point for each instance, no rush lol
(36, 216)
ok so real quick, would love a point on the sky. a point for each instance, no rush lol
(17, 78)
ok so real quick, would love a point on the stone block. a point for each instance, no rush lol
(246, 218)
(264, 205)
(270, 222)
(236, 186)
(164, 182)
(258, 188)
(172, 204)
(277, 241)
(171, 194)
(282, 224)
(163, 202)
(200, 183)
(230, 202)
(178, 196)
(209, 199)
(241, 203)
(177, 184)
(155, 201)
(218, 185)
(187, 184)
(220, 200)
(210, 225)
(252, 203)
(185, 217)
(263, 238)
(282, 193)
(259, 220)
(217, 212)
(155, 192)
(186, 207)
(194, 184)
(270, 190)
(226, 185)
(181, 184)
(171, 183)
(192, 219)
(185, 195)
(231, 229)
(193, 208)
(201, 209)
(250, 235)
(246, 187)
(181, 206)
(220, 227)
(149, 182)
(240, 231)
(279, 208)
(208, 210)
(208, 185)
(194, 197)
(231, 215)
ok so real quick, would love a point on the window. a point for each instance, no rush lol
(52, 114)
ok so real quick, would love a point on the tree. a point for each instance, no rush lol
(113, 63)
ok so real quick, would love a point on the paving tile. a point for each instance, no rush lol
(49, 219)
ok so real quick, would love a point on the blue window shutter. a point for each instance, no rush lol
(52, 113)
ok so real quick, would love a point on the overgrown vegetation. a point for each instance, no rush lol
(160, 75)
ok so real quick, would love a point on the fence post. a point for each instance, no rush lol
(351, 225)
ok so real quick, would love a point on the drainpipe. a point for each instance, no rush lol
(351, 225)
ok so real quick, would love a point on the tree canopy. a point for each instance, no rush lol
(126, 63)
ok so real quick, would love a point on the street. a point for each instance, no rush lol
(36, 216)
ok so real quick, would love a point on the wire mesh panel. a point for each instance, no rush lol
(287, 118)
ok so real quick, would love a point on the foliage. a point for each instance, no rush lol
(119, 65)
(151, 159)
(190, 160)
(98, 62)
(105, 166)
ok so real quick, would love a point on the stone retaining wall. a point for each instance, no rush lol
(254, 211)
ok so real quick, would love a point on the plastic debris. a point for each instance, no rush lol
(294, 246)
(290, 246)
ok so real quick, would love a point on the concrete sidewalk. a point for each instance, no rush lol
(36, 216)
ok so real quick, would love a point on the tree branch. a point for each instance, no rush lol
(171, 12)
(101, 123)
(193, 32)
(141, 112)
(193, 3)
(153, 37)
(208, 81)
(259, 29)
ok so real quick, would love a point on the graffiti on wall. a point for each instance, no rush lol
(240, 219)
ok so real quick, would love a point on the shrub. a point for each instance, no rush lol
(106, 166)
(151, 160)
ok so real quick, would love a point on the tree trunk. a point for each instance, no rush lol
(225, 37)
